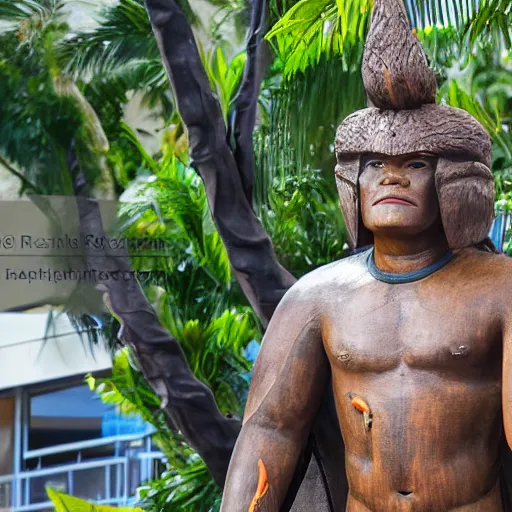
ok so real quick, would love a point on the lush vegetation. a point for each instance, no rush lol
(64, 503)
(56, 85)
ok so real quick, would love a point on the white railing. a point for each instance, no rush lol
(81, 446)
(111, 480)
(5, 493)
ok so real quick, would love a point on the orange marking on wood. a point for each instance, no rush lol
(262, 487)
(388, 84)
(360, 404)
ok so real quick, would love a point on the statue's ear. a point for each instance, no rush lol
(347, 173)
(466, 200)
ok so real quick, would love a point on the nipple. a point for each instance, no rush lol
(344, 357)
(460, 352)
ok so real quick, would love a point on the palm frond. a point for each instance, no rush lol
(235, 12)
(463, 30)
(147, 77)
(313, 29)
(173, 207)
(299, 133)
(440, 13)
(190, 490)
(305, 223)
(124, 35)
(492, 19)
(10, 11)
(457, 97)
(128, 390)
(37, 10)
(36, 126)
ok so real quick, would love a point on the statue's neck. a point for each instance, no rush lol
(408, 254)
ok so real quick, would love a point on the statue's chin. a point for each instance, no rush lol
(398, 228)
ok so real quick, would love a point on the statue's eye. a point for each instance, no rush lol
(417, 165)
(376, 164)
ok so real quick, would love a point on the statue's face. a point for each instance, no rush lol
(398, 194)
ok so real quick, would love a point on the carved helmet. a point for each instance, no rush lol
(403, 118)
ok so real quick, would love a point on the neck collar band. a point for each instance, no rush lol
(409, 277)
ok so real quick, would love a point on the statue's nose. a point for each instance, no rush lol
(395, 179)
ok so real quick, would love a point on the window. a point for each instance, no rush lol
(76, 415)
(66, 416)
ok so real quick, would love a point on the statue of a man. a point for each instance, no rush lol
(416, 331)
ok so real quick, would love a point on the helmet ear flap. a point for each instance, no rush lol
(347, 174)
(466, 201)
(347, 180)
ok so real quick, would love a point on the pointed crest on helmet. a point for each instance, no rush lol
(403, 118)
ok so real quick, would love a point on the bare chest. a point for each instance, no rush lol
(381, 327)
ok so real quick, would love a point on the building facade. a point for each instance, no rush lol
(54, 431)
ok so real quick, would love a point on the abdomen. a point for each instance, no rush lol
(434, 440)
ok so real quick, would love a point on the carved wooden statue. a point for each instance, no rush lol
(416, 331)
(405, 345)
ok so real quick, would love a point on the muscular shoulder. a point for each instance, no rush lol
(490, 274)
(337, 277)
(489, 269)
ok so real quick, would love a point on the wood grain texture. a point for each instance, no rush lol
(436, 129)
(436, 439)
(466, 200)
(347, 174)
(227, 175)
(395, 70)
(243, 116)
(251, 254)
(188, 403)
(437, 416)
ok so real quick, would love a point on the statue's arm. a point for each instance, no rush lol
(507, 377)
(289, 379)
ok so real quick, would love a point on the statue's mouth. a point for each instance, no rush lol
(394, 200)
(405, 493)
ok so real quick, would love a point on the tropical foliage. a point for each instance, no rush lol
(65, 503)
(178, 487)
(56, 85)
(319, 46)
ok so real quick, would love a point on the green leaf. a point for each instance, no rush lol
(123, 36)
(311, 29)
(65, 503)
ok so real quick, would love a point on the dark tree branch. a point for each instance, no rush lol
(188, 403)
(243, 117)
(263, 280)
